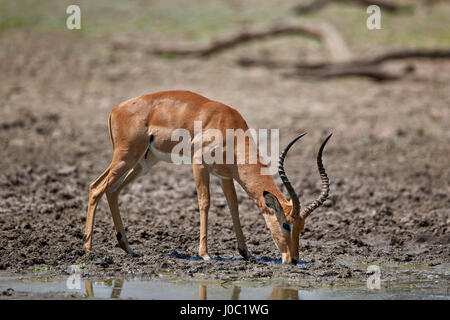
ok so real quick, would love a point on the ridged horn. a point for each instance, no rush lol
(325, 184)
(294, 198)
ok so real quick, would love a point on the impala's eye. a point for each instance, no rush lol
(286, 226)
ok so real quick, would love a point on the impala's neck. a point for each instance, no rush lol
(254, 183)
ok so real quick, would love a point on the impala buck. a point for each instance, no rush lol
(141, 134)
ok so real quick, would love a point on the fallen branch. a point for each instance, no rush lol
(317, 5)
(311, 7)
(322, 32)
(402, 54)
(327, 70)
(363, 67)
(373, 73)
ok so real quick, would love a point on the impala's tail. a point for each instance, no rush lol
(110, 133)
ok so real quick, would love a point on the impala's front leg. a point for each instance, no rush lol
(230, 194)
(201, 177)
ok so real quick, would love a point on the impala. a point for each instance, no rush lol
(140, 131)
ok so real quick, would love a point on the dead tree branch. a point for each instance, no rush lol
(311, 7)
(362, 67)
(402, 54)
(317, 5)
(343, 71)
(322, 32)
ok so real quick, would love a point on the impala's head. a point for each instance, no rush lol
(290, 218)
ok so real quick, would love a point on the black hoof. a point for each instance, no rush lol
(130, 251)
(244, 254)
(136, 255)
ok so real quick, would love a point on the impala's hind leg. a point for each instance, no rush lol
(95, 194)
(113, 201)
(123, 161)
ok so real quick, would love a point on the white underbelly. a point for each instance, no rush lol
(168, 157)
(163, 156)
(214, 172)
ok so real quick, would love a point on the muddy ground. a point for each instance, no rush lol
(388, 163)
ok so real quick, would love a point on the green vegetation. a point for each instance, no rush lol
(430, 30)
(200, 20)
(191, 19)
(40, 270)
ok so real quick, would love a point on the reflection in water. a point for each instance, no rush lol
(202, 292)
(279, 292)
(284, 293)
(116, 284)
(117, 289)
(236, 293)
(89, 288)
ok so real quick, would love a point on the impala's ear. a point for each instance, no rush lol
(273, 203)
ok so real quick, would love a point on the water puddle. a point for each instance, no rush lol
(32, 287)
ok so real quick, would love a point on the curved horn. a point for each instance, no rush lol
(325, 184)
(287, 184)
